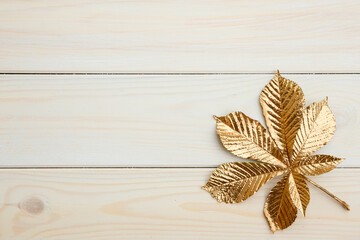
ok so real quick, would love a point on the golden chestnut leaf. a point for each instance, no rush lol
(294, 133)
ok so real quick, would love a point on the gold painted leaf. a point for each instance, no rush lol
(236, 181)
(295, 133)
(299, 191)
(316, 129)
(283, 103)
(279, 209)
(317, 164)
(247, 138)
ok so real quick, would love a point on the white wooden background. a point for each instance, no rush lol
(106, 128)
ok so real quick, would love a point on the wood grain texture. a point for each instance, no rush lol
(149, 120)
(180, 36)
(159, 204)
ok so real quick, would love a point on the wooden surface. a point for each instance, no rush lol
(149, 120)
(67, 108)
(179, 36)
(159, 204)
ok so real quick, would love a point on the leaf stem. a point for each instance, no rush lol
(343, 203)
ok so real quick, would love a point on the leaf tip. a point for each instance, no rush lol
(277, 72)
(216, 118)
(302, 211)
(206, 188)
(273, 228)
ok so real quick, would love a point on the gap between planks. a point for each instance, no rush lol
(117, 167)
(175, 73)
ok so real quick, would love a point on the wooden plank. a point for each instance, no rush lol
(148, 120)
(159, 204)
(180, 36)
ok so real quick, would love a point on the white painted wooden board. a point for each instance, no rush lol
(88, 204)
(149, 120)
(179, 36)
